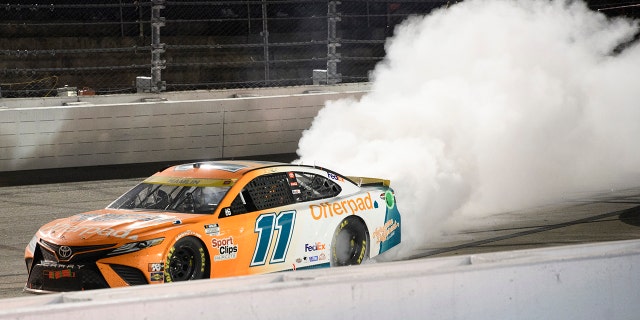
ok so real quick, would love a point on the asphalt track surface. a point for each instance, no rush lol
(594, 217)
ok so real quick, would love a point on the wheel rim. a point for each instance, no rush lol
(346, 247)
(182, 264)
(350, 245)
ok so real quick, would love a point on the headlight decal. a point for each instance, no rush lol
(135, 246)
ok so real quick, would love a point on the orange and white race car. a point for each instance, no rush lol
(217, 219)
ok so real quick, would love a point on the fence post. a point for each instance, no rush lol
(157, 48)
(333, 16)
(265, 41)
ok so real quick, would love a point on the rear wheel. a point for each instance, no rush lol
(186, 260)
(350, 244)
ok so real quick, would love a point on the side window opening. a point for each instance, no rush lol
(264, 192)
(280, 189)
(270, 191)
(242, 203)
(313, 187)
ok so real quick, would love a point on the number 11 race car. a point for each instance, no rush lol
(217, 219)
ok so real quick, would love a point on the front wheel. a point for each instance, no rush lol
(186, 260)
(350, 244)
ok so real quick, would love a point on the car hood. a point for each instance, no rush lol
(111, 226)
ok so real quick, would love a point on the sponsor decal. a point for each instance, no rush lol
(334, 177)
(293, 183)
(349, 206)
(156, 267)
(183, 181)
(156, 276)
(89, 230)
(59, 274)
(303, 260)
(390, 199)
(193, 182)
(188, 233)
(227, 249)
(121, 217)
(314, 247)
(381, 234)
(311, 259)
(53, 264)
(212, 229)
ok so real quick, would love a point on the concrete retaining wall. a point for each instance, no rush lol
(595, 281)
(90, 131)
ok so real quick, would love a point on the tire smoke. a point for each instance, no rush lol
(489, 106)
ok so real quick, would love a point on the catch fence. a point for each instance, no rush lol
(74, 47)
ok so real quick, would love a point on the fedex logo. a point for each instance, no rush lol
(314, 247)
(334, 176)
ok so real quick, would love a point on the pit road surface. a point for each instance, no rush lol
(592, 217)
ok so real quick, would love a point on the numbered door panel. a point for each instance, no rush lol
(251, 243)
(256, 229)
(274, 237)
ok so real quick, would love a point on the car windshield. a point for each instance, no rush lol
(185, 199)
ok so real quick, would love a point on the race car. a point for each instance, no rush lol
(216, 219)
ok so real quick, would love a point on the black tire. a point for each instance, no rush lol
(350, 243)
(186, 260)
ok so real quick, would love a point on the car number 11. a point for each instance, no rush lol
(266, 224)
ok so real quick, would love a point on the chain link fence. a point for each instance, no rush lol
(91, 48)
(105, 47)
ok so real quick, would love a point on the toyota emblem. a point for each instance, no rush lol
(64, 252)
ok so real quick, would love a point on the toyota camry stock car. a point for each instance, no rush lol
(217, 219)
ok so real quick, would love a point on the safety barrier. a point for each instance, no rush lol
(79, 131)
(593, 281)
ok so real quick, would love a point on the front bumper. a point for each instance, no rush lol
(48, 276)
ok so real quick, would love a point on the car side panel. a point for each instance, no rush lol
(262, 242)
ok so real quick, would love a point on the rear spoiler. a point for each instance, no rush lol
(364, 181)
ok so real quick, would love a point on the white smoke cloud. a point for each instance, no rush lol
(489, 106)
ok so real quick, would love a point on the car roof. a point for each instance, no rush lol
(224, 169)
